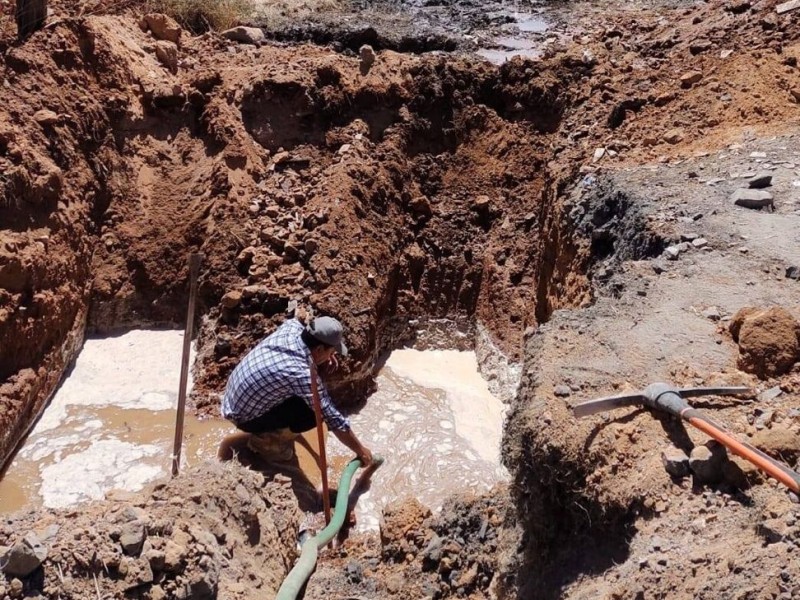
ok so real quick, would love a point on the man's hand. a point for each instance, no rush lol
(365, 456)
(349, 439)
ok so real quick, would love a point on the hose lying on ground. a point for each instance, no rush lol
(291, 586)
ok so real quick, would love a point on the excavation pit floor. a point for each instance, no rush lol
(111, 426)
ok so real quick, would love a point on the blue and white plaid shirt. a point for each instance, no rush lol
(272, 372)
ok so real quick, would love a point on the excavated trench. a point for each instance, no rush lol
(420, 191)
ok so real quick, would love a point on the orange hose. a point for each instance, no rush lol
(323, 460)
(746, 453)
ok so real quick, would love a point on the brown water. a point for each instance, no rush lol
(111, 426)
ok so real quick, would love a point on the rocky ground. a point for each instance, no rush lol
(578, 209)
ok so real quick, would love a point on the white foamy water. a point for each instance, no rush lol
(437, 425)
(109, 426)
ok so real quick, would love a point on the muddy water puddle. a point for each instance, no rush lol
(111, 426)
(437, 425)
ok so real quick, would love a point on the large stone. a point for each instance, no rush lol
(421, 206)
(752, 198)
(136, 572)
(163, 27)
(167, 55)
(779, 442)
(132, 538)
(245, 35)
(769, 340)
(689, 79)
(707, 462)
(232, 299)
(760, 180)
(675, 461)
(174, 555)
(45, 117)
(24, 557)
(673, 136)
(785, 7)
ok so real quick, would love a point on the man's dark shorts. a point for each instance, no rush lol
(292, 413)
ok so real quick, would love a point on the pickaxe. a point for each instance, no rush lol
(664, 397)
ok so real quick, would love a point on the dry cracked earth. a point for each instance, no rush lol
(587, 213)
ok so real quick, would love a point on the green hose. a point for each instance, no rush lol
(291, 586)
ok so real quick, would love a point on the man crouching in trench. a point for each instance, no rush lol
(269, 393)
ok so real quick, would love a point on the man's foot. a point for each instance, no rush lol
(272, 446)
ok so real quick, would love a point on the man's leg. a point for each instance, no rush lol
(273, 433)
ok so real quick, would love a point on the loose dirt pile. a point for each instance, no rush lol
(429, 186)
(200, 536)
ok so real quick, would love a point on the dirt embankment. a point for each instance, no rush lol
(298, 176)
(421, 186)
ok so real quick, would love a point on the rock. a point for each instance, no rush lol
(481, 203)
(779, 442)
(156, 558)
(202, 586)
(672, 252)
(354, 572)
(24, 557)
(421, 206)
(689, 237)
(174, 555)
(689, 79)
(598, 154)
(773, 530)
(311, 246)
(706, 462)
(795, 92)
(45, 117)
(432, 554)
(700, 46)
(785, 7)
(366, 57)
(712, 312)
(16, 588)
(132, 537)
(167, 55)
(793, 273)
(770, 394)
(761, 180)
(163, 27)
(700, 243)
(752, 198)
(232, 299)
(157, 593)
(769, 340)
(675, 461)
(562, 391)
(136, 572)
(468, 578)
(673, 136)
(245, 35)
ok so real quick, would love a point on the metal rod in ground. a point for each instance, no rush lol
(323, 459)
(194, 269)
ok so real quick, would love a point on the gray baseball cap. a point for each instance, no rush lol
(328, 331)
